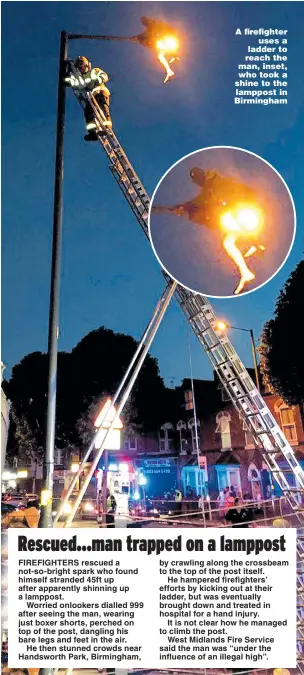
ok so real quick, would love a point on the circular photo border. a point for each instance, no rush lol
(223, 147)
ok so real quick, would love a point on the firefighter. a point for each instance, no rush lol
(158, 36)
(27, 518)
(93, 80)
(111, 510)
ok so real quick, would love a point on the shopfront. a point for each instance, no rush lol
(160, 475)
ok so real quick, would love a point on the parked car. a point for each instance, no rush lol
(87, 509)
(6, 508)
(14, 499)
(31, 497)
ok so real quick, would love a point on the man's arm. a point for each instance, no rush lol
(99, 76)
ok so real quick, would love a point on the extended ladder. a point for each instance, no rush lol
(232, 374)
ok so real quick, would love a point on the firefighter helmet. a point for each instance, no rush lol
(82, 62)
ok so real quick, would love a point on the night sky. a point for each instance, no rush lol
(110, 276)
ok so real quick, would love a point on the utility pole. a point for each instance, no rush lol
(255, 362)
(48, 460)
(105, 487)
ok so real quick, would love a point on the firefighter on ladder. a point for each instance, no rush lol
(93, 80)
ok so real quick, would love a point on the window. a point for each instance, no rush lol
(189, 400)
(183, 441)
(223, 420)
(166, 437)
(254, 478)
(288, 424)
(249, 442)
(57, 456)
(130, 443)
(224, 394)
(191, 426)
(25, 461)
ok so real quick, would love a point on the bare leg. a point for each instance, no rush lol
(250, 252)
(254, 249)
(235, 254)
(169, 72)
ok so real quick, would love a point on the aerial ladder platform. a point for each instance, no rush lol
(233, 376)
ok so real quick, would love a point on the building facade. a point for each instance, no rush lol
(202, 448)
(227, 453)
(5, 413)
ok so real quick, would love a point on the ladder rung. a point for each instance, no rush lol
(209, 349)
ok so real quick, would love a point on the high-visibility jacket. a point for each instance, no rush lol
(94, 80)
(111, 504)
(178, 496)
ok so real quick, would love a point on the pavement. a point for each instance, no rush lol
(188, 671)
(120, 521)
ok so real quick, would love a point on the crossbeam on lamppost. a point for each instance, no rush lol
(223, 326)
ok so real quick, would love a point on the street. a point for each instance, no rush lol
(120, 521)
(188, 671)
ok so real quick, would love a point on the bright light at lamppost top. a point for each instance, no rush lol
(244, 218)
(169, 43)
(221, 325)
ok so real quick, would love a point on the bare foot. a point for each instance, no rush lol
(245, 279)
(168, 77)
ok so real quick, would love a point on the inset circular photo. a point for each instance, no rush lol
(222, 221)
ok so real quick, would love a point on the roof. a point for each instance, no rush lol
(191, 462)
(227, 457)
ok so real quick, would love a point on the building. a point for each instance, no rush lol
(227, 448)
(200, 453)
(5, 412)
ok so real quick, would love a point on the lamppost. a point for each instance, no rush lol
(46, 520)
(222, 326)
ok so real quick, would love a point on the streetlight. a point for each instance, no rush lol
(46, 520)
(222, 326)
(245, 218)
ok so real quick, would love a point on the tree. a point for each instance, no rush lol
(22, 444)
(27, 391)
(281, 350)
(96, 365)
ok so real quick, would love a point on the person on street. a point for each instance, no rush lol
(238, 516)
(93, 80)
(111, 510)
(27, 518)
(232, 492)
(201, 502)
(222, 501)
(280, 522)
(178, 500)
